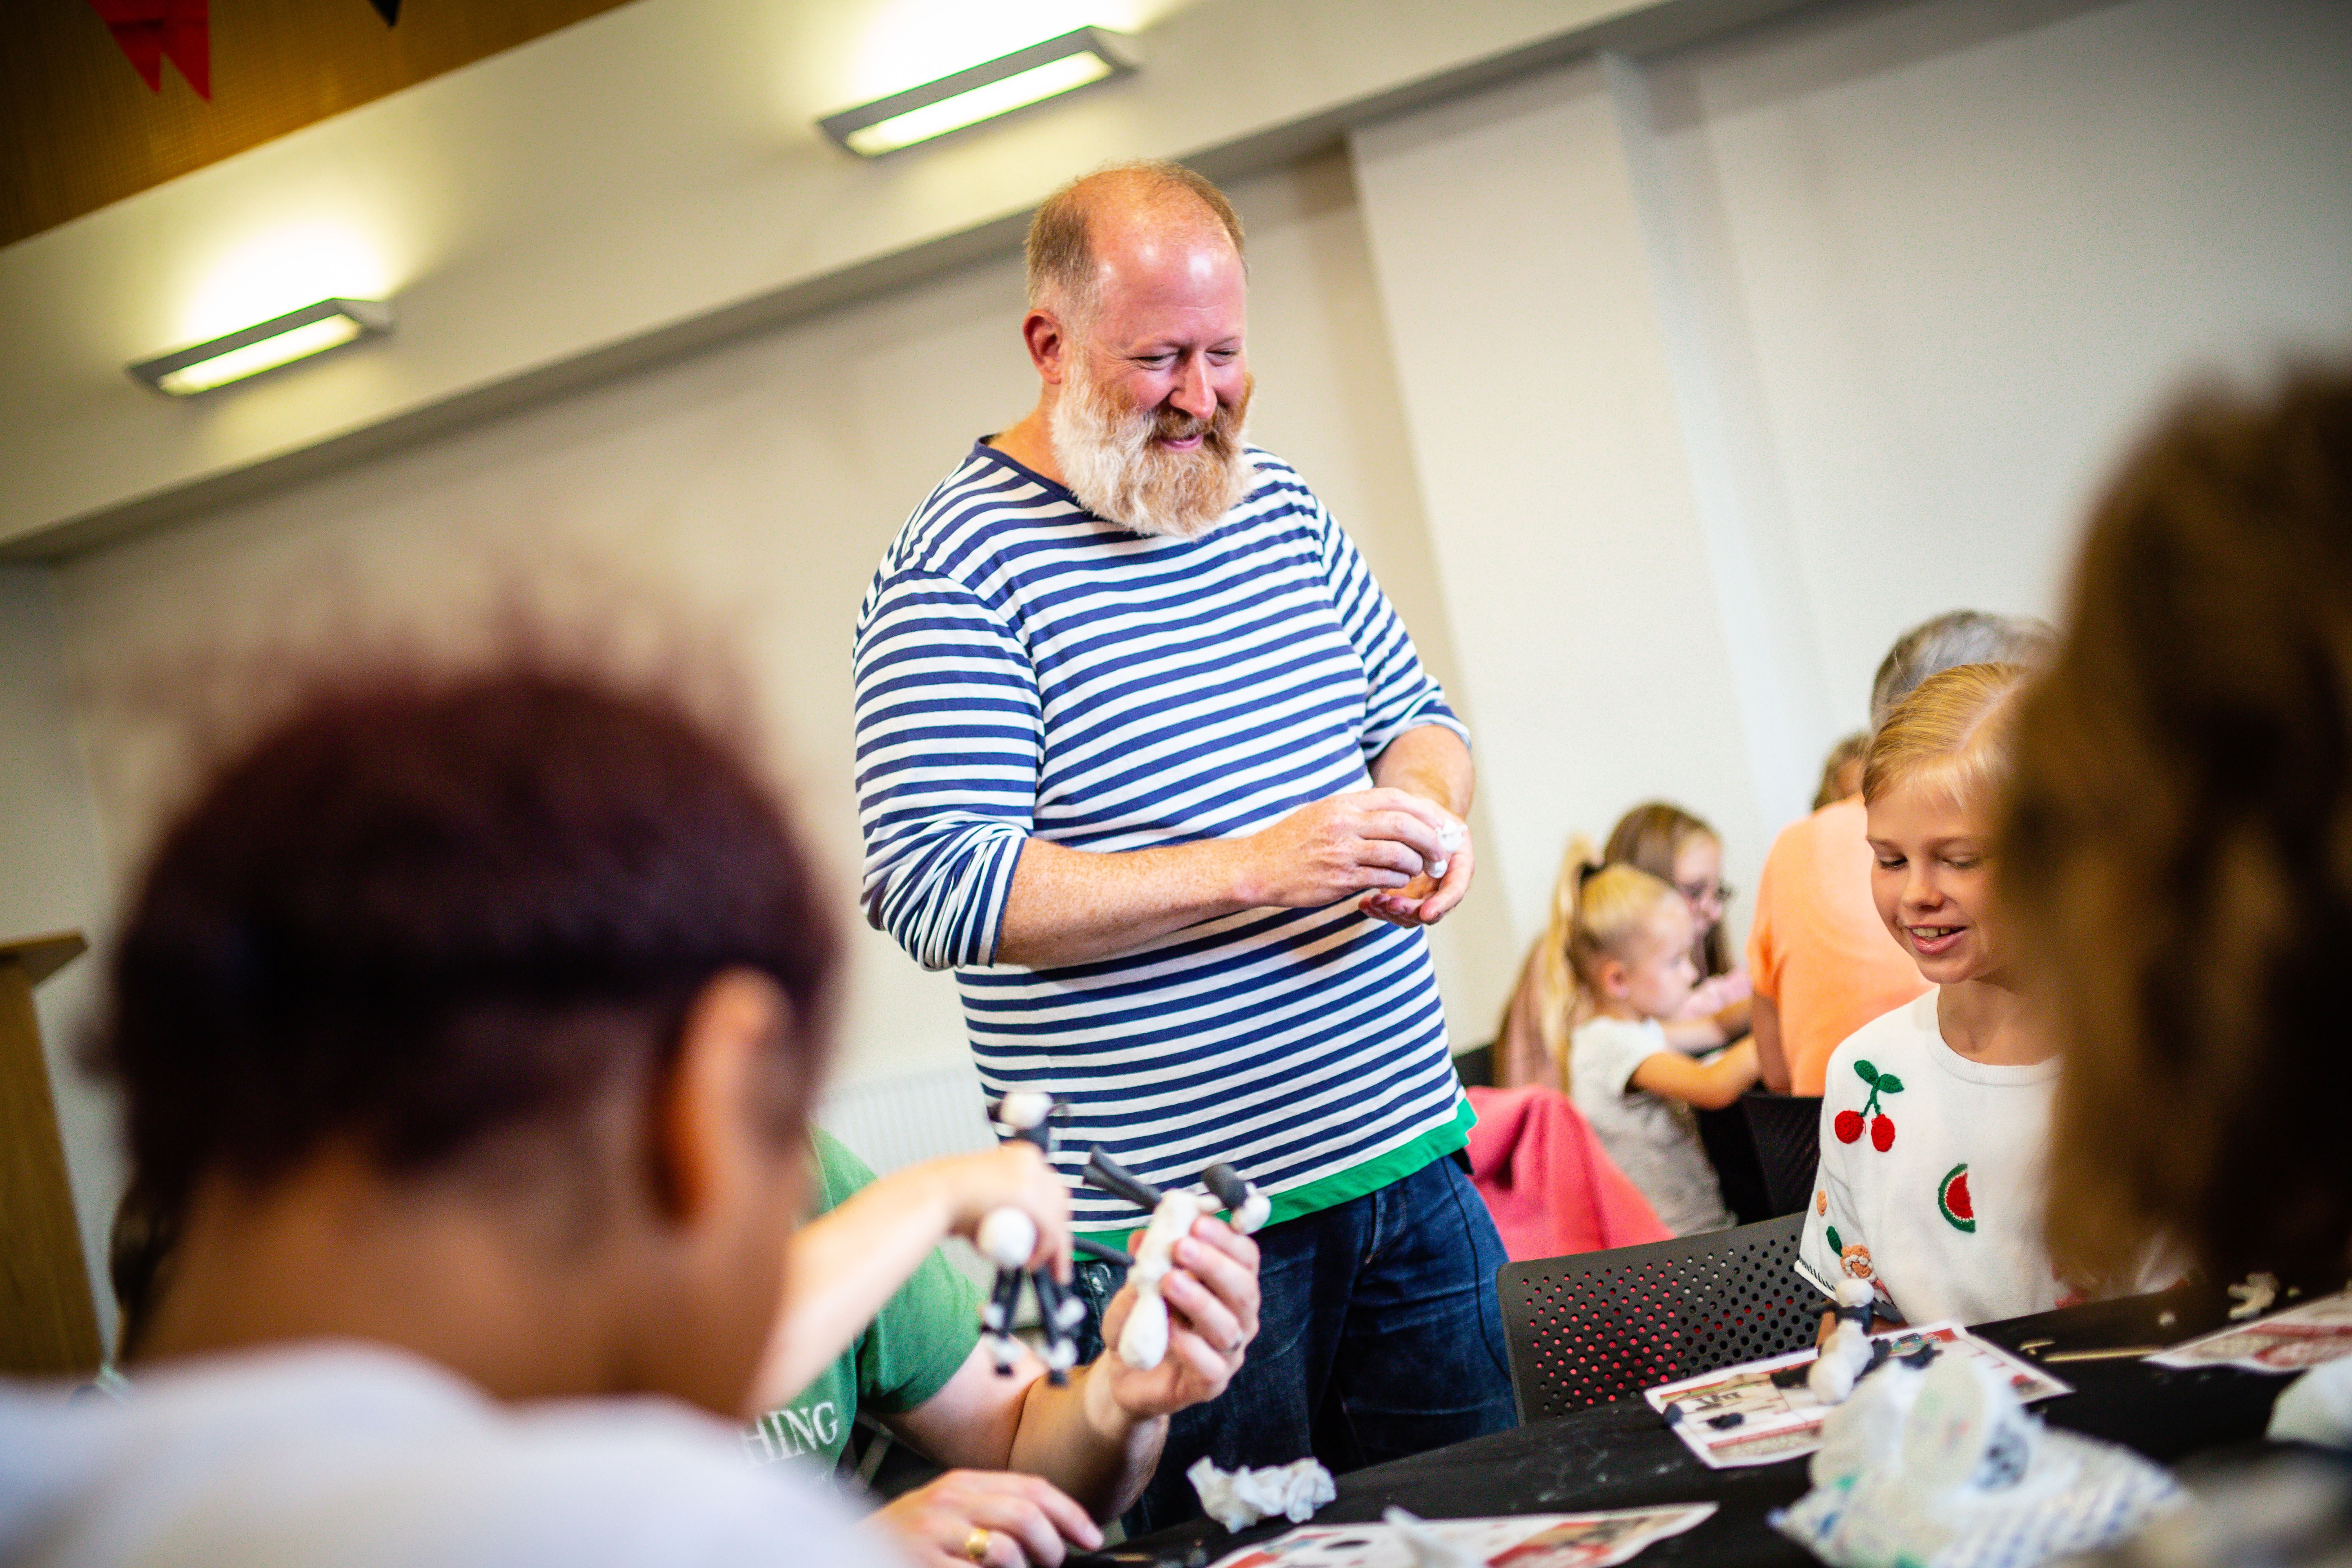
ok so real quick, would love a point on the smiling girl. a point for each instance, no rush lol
(1935, 1119)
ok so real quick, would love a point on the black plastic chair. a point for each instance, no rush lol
(1596, 1326)
(1477, 1066)
(1739, 1173)
(1787, 1133)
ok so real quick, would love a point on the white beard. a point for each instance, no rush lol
(1109, 461)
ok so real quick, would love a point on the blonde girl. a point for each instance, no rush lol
(1935, 1121)
(1626, 947)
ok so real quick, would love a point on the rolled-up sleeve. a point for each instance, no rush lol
(1404, 695)
(950, 740)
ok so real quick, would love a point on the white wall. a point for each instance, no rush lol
(50, 880)
(1560, 511)
(1947, 256)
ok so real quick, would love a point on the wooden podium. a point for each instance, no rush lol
(48, 1323)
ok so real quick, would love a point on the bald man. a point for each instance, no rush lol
(1147, 758)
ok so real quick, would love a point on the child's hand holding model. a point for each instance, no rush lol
(1629, 948)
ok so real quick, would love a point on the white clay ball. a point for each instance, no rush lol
(1024, 1109)
(1007, 1236)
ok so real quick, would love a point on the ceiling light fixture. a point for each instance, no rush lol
(1075, 59)
(250, 351)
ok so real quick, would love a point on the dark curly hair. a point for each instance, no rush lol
(2179, 847)
(424, 911)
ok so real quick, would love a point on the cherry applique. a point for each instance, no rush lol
(1849, 1123)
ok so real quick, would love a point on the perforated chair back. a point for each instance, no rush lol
(1787, 1130)
(1594, 1326)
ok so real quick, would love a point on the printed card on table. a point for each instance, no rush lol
(2291, 1340)
(1762, 1412)
(1522, 1540)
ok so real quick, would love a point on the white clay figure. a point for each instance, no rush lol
(1144, 1341)
(1846, 1352)
(1254, 1213)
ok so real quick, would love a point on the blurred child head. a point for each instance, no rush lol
(2178, 848)
(1680, 849)
(1951, 639)
(1932, 786)
(460, 936)
(1841, 770)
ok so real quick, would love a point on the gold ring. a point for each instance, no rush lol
(975, 1545)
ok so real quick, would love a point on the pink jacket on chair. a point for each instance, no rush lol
(1551, 1186)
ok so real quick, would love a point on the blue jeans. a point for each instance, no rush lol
(1379, 1336)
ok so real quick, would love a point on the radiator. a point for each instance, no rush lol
(895, 1121)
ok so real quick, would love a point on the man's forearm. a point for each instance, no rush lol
(1069, 906)
(1431, 761)
(1080, 1440)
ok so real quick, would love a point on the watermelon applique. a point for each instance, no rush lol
(1849, 1123)
(1952, 1198)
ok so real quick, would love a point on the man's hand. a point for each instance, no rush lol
(1348, 844)
(1213, 1304)
(1024, 1521)
(1425, 901)
(1431, 762)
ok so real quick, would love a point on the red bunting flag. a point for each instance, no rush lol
(149, 32)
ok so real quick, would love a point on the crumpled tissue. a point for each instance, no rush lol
(1941, 1466)
(1239, 1498)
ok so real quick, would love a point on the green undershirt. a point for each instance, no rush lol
(1342, 1186)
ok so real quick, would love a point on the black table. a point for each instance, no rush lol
(1621, 1455)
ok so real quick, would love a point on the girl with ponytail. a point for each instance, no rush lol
(1616, 961)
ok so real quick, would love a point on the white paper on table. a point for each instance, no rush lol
(2291, 1340)
(1520, 1541)
(1780, 1418)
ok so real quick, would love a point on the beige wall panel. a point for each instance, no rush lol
(1542, 421)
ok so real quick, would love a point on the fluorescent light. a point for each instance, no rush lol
(996, 87)
(314, 329)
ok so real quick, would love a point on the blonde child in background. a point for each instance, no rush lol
(1935, 1123)
(1676, 846)
(1628, 951)
(1841, 770)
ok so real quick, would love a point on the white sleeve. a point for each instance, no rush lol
(1833, 1246)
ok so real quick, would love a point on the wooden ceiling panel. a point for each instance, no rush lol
(79, 129)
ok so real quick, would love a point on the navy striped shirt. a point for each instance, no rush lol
(1027, 669)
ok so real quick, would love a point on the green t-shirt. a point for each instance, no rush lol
(923, 1334)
